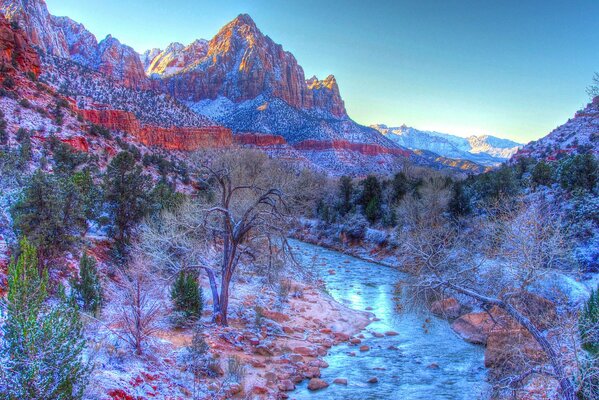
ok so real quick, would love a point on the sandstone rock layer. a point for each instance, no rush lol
(170, 138)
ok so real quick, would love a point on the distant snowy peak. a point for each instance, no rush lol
(493, 146)
(486, 150)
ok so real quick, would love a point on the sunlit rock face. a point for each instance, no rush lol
(16, 51)
(63, 37)
(173, 59)
(121, 63)
(170, 138)
(240, 63)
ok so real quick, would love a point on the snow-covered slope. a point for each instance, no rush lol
(272, 115)
(578, 134)
(485, 150)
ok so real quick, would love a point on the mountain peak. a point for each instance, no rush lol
(243, 19)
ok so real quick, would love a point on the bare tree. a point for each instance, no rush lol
(139, 309)
(242, 221)
(248, 223)
(593, 88)
(446, 259)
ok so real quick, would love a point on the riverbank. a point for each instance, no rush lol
(273, 342)
(506, 344)
(374, 251)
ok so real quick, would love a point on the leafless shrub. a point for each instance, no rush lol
(235, 369)
(139, 309)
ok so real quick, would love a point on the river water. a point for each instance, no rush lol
(426, 360)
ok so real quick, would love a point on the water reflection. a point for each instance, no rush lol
(424, 361)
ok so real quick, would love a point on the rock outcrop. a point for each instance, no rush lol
(121, 63)
(509, 346)
(474, 327)
(579, 134)
(170, 138)
(15, 50)
(81, 44)
(174, 58)
(326, 95)
(33, 17)
(241, 63)
(341, 145)
(63, 37)
(447, 308)
(258, 140)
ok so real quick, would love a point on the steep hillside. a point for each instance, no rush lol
(240, 80)
(484, 150)
(578, 134)
(65, 38)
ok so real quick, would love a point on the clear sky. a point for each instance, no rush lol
(516, 69)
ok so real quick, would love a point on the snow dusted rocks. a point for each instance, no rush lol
(580, 132)
(65, 38)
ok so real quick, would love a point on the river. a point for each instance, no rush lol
(426, 360)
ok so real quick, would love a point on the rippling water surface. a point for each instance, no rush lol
(426, 360)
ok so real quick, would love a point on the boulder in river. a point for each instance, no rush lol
(317, 384)
(474, 327)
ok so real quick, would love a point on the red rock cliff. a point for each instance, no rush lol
(364, 148)
(170, 138)
(241, 63)
(14, 47)
(258, 139)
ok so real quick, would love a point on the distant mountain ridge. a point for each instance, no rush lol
(240, 80)
(485, 149)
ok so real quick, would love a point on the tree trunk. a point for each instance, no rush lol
(224, 299)
(216, 308)
(566, 386)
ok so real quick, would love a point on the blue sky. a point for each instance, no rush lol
(515, 69)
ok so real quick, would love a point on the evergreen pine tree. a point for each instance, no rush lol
(459, 204)
(370, 198)
(542, 174)
(25, 150)
(400, 187)
(579, 172)
(127, 194)
(3, 133)
(186, 295)
(91, 194)
(49, 213)
(589, 324)
(88, 287)
(164, 197)
(346, 190)
(41, 351)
